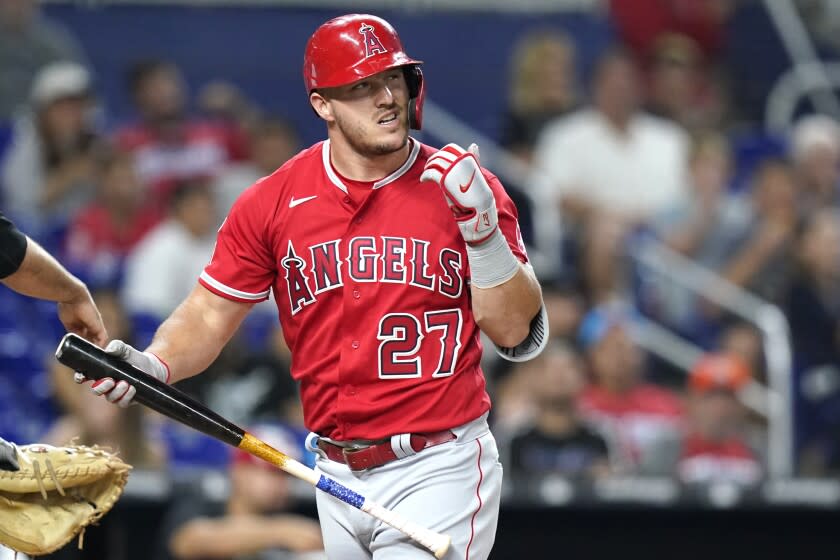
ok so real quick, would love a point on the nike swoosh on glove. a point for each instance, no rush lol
(458, 173)
(121, 393)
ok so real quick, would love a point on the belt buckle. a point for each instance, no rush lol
(349, 460)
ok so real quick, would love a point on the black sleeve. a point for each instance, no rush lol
(12, 247)
(8, 456)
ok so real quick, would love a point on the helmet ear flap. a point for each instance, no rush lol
(416, 93)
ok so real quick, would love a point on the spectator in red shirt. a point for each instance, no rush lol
(715, 448)
(104, 232)
(167, 143)
(644, 420)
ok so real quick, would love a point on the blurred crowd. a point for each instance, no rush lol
(640, 150)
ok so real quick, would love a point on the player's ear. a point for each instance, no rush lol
(321, 106)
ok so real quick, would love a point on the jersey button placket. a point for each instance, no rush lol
(347, 360)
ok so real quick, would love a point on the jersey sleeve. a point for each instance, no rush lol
(242, 267)
(12, 247)
(508, 218)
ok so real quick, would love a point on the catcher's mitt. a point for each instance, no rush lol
(57, 492)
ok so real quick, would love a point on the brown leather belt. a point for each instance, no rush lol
(378, 454)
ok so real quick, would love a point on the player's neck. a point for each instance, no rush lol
(357, 167)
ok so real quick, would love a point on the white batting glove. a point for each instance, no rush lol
(121, 393)
(458, 173)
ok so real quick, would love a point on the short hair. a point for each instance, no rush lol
(141, 70)
(526, 64)
(611, 55)
(186, 188)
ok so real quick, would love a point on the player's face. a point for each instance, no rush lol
(372, 114)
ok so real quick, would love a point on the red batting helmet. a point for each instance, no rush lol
(356, 46)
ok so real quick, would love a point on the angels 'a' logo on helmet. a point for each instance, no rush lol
(372, 43)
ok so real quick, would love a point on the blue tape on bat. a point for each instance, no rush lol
(340, 491)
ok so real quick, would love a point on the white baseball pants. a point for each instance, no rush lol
(452, 488)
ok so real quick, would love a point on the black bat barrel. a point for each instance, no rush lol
(94, 363)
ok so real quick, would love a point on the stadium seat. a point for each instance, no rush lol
(188, 449)
(749, 150)
(144, 326)
(256, 329)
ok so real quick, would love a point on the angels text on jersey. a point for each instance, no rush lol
(313, 270)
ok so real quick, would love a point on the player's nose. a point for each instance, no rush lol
(384, 97)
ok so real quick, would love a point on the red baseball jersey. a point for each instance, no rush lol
(372, 288)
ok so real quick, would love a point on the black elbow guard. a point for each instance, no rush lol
(12, 247)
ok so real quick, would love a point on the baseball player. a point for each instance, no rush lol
(385, 257)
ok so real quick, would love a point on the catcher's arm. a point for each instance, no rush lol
(28, 269)
(8, 456)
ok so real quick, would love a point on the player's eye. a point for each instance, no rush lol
(360, 86)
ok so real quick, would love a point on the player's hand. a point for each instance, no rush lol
(121, 393)
(458, 173)
(80, 316)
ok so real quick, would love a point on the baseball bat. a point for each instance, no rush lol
(94, 363)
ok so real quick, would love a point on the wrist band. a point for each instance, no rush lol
(491, 262)
(168, 372)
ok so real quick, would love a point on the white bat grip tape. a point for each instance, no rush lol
(435, 542)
